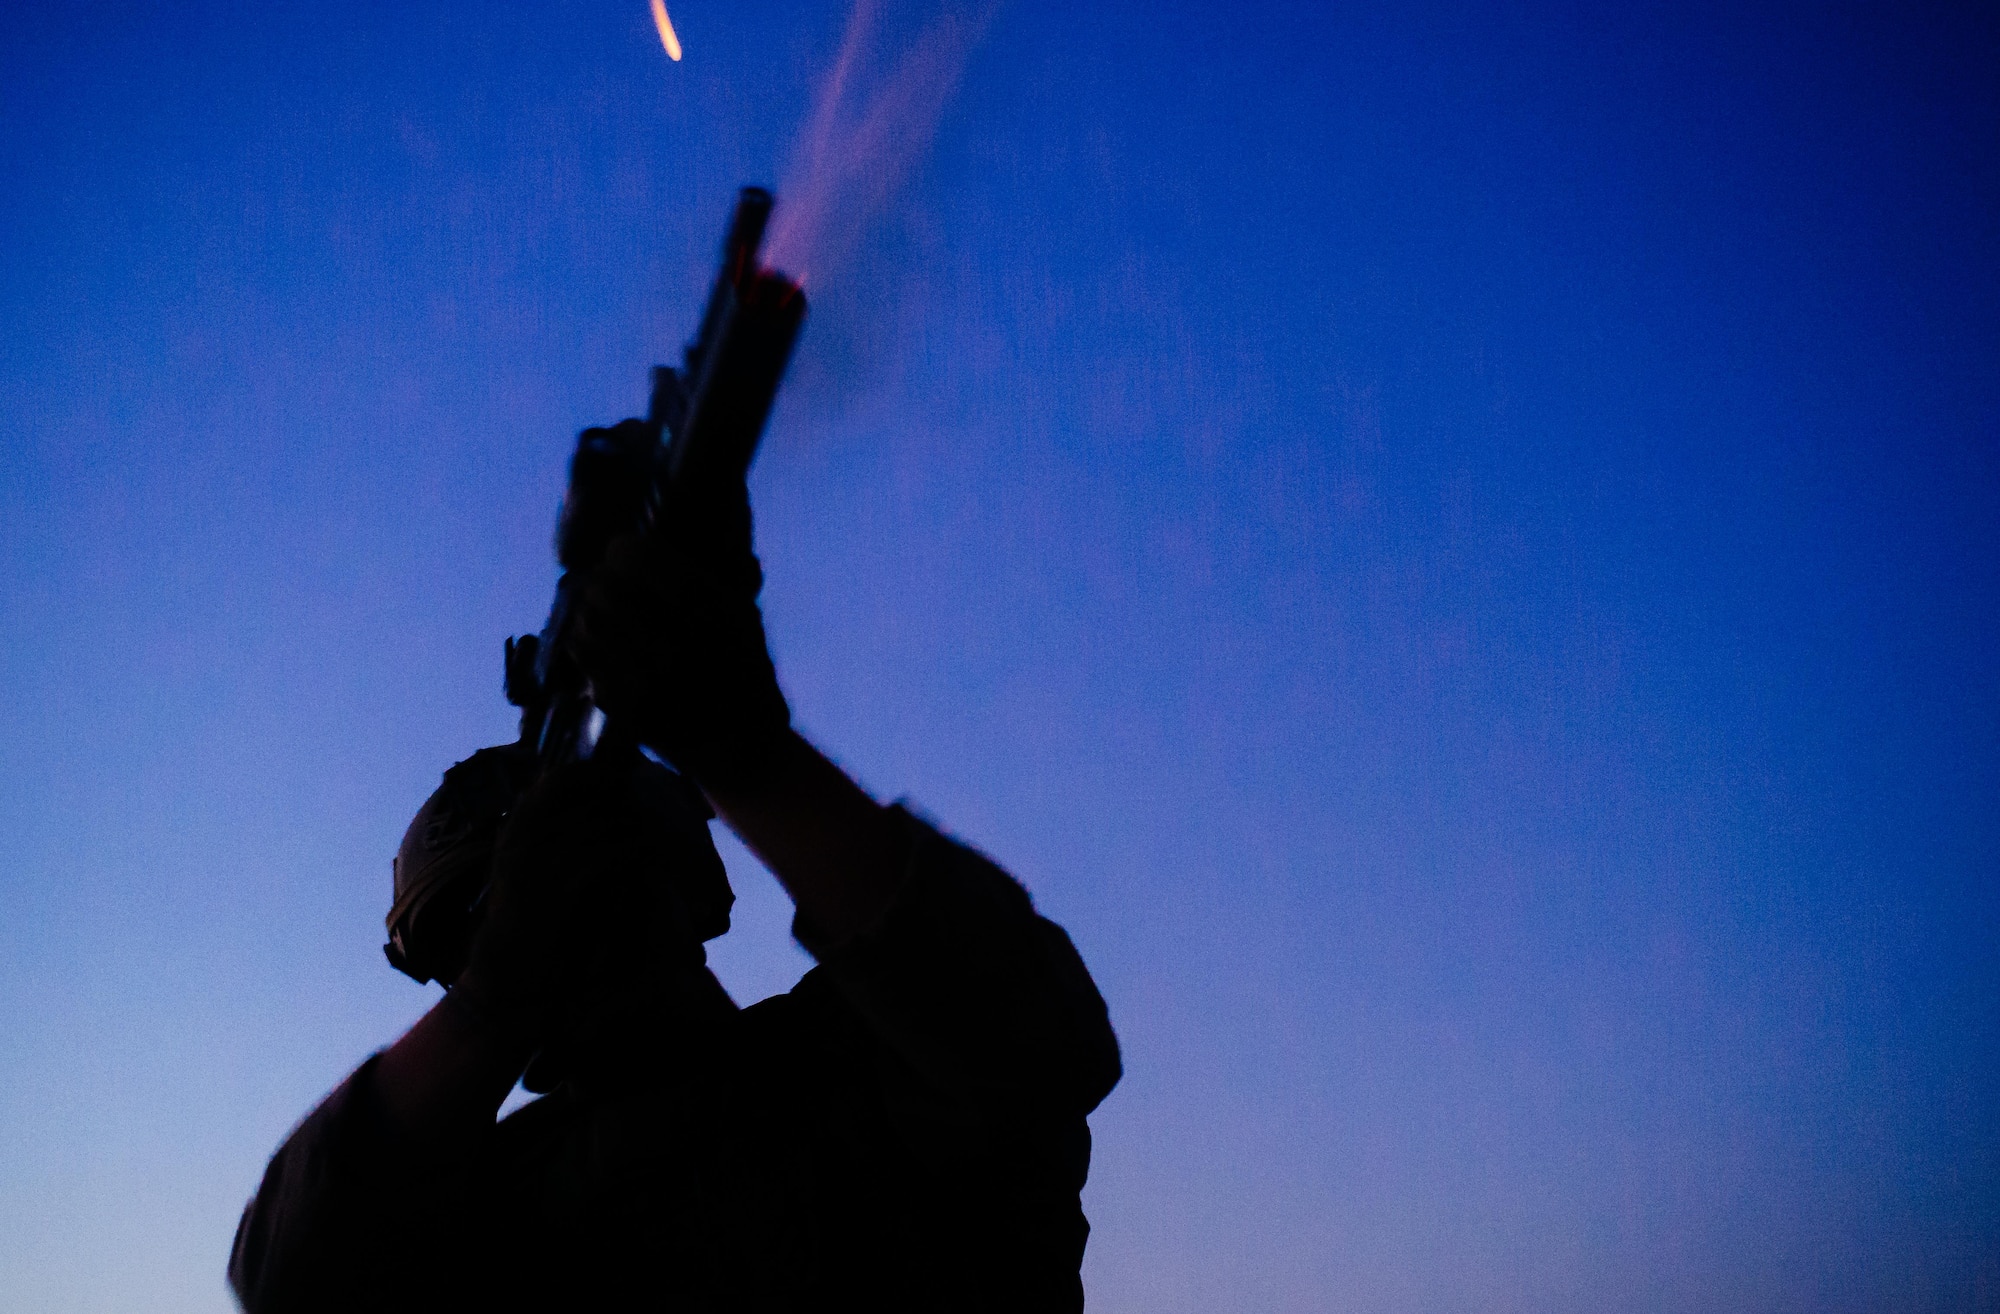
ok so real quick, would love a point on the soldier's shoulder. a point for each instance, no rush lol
(805, 1023)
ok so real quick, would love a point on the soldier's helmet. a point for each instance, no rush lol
(441, 871)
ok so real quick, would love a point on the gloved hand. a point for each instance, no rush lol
(671, 636)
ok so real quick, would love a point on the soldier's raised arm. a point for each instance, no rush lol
(936, 945)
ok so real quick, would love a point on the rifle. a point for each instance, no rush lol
(702, 427)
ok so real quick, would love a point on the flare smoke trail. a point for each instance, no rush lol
(860, 142)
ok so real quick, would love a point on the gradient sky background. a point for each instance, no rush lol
(1454, 547)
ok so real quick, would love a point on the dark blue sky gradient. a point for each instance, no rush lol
(1454, 548)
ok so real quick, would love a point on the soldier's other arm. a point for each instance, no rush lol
(369, 1202)
(939, 948)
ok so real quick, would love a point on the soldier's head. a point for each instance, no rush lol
(441, 871)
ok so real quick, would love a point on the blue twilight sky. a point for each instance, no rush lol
(1453, 546)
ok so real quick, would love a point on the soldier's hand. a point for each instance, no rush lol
(672, 638)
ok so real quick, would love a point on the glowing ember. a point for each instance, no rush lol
(666, 26)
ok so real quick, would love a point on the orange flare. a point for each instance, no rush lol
(666, 26)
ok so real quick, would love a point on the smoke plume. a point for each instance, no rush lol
(872, 120)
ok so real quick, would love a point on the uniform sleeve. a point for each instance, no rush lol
(345, 1217)
(986, 1001)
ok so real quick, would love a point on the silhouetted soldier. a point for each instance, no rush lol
(903, 1130)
